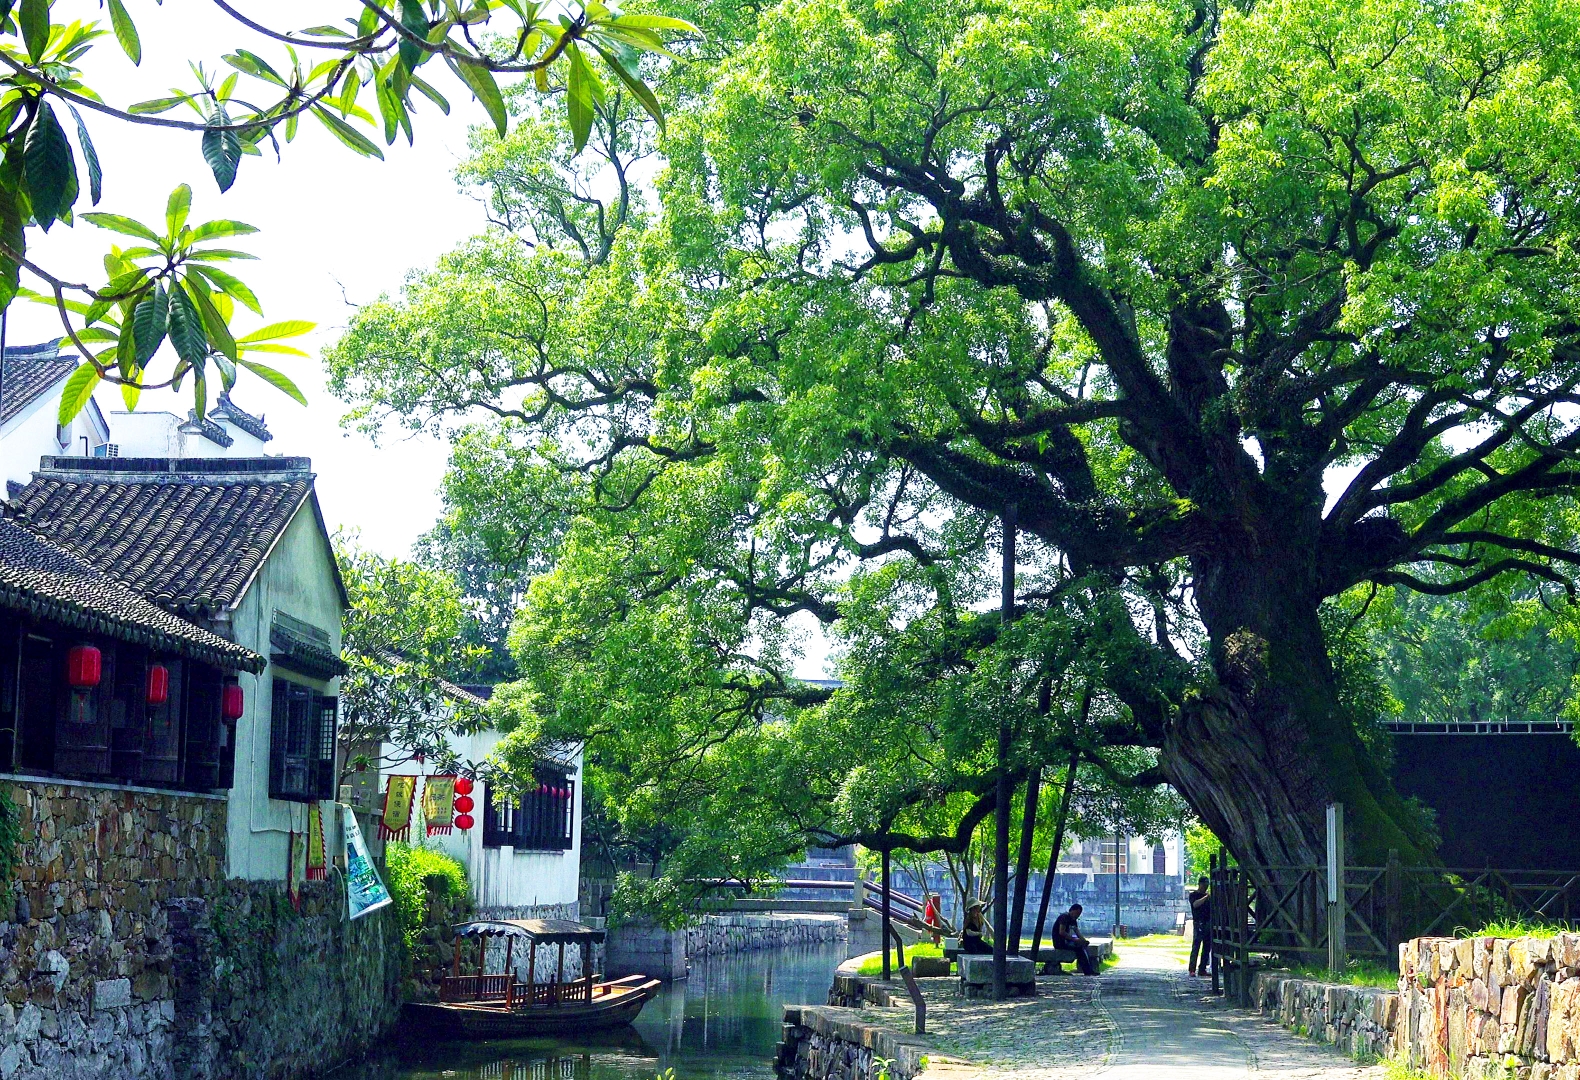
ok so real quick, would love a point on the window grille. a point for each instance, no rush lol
(301, 743)
(541, 820)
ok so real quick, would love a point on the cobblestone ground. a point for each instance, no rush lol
(1144, 1019)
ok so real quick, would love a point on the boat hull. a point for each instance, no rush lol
(461, 1021)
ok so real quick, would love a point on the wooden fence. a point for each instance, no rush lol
(1284, 912)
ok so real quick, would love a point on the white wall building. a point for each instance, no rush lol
(239, 547)
(523, 858)
(227, 431)
(31, 378)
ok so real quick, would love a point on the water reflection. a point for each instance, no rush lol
(722, 1022)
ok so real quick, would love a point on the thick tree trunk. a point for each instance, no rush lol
(1261, 755)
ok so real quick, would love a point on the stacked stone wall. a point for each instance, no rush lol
(1359, 1020)
(1485, 1007)
(714, 935)
(126, 954)
(272, 991)
(834, 1044)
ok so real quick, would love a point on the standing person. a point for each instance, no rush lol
(1200, 928)
(973, 930)
(932, 916)
(1067, 935)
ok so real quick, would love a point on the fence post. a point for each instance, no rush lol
(1215, 916)
(1393, 897)
(1243, 923)
(1338, 958)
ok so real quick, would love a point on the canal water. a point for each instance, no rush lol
(724, 1021)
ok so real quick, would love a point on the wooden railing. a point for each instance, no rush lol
(499, 988)
(462, 988)
(1283, 911)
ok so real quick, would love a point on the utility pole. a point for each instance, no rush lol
(1118, 839)
(1002, 788)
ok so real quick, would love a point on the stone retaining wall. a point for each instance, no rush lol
(852, 991)
(823, 1043)
(717, 934)
(1357, 1019)
(1482, 1007)
(125, 953)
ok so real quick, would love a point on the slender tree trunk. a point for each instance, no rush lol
(1058, 842)
(1001, 810)
(888, 923)
(1028, 826)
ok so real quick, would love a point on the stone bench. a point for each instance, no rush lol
(1052, 959)
(1055, 959)
(976, 975)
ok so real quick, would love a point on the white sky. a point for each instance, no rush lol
(329, 219)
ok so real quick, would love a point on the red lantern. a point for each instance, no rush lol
(463, 822)
(463, 786)
(560, 792)
(463, 804)
(83, 665)
(231, 702)
(158, 691)
(543, 789)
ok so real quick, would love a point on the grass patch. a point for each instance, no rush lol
(1394, 1069)
(1156, 941)
(1513, 928)
(1359, 973)
(873, 965)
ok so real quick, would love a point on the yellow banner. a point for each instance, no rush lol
(438, 803)
(315, 843)
(396, 823)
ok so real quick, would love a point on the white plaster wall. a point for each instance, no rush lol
(298, 579)
(158, 434)
(31, 435)
(504, 877)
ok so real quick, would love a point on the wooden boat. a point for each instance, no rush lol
(501, 1006)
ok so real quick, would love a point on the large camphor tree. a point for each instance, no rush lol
(1237, 310)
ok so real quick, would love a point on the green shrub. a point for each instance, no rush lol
(407, 866)
(1514, 928)
(10, 836)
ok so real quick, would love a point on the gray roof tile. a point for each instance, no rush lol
(49, 582)
(187, 533)
(31, 370)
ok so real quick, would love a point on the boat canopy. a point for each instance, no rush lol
(546, 931)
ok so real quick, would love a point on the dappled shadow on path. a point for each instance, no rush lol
(1167, 1027)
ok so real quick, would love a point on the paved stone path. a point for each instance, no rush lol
(1143, 1019)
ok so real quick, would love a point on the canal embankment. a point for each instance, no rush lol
(646, 948)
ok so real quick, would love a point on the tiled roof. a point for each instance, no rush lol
(227, 410)
(208, 429)
(300, 648)
(50, 583)
(31, 370)
(187, 533)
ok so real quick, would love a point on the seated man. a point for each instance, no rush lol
(1067, 935)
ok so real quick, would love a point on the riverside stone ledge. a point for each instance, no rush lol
(827, 1043)
(1483, 1007)
(1359, 1020)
